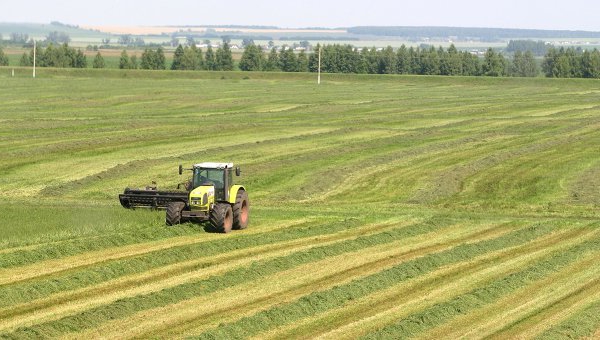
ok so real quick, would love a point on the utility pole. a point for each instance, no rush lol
(319, 76)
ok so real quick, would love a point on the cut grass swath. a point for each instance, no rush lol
(419, 322)
(364, 314)
(61, 304)
(321, 301)
(188, 290)
(583, 323)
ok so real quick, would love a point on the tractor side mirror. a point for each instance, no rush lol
(238, 171)
(180, 169)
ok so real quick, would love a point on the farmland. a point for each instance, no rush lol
(382, 206)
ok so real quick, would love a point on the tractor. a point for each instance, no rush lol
(210, 195)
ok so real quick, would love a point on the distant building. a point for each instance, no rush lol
(206, 45)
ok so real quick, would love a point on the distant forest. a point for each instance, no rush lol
(538, 48)
(557, 63)
(489, 34)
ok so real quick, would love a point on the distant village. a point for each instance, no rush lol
(264, 48)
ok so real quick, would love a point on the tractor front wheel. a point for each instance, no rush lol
(174, 213)
(221, 217)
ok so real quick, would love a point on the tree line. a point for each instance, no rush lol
(254, 59)
(151, 60)
(188, 58)
(411, 60)
(557, 63)
(571, 63)
(563, 63)
(192, 58)
(55, 56)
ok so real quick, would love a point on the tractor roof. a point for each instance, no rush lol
(213, 165)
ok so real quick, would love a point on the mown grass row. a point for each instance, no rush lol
(531, 309)
(398, 302)
(283, 286)
(321, 301)
(194, 269)
(254, 271)
(98, 272)
(388, 304)
(440, 313)
(292, 284)
(583, 323)
(256, 294)
(537, 313)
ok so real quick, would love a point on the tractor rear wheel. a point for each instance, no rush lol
(241, 210)
(174, 213)
(221, 217)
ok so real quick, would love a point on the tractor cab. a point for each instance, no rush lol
(217, 175)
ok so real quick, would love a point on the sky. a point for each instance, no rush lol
(534, 14)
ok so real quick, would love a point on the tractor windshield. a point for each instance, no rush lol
(209, 177)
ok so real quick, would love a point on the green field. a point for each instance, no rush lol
(382, 206)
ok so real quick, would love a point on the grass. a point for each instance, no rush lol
(440, 205)
(580, 324)
(403, 298)
(319, 302)
(477, 298)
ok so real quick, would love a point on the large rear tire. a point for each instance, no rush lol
(221, 217)
(174, 213)
(241, 210)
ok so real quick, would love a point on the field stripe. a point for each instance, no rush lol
(560, 301)
(289, 285)
(29, 254)
(233, 277)
(349, 267)
(551, 304)
(49, 267)
(322, 300)
(435, 315)
(366, 313)
(59, 305)
(581, 324)
(486, 157)
(102, 272)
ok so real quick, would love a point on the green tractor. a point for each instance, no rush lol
(210, 195)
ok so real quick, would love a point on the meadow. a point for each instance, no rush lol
(381, 206)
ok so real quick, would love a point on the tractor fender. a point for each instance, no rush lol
(233, 191)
